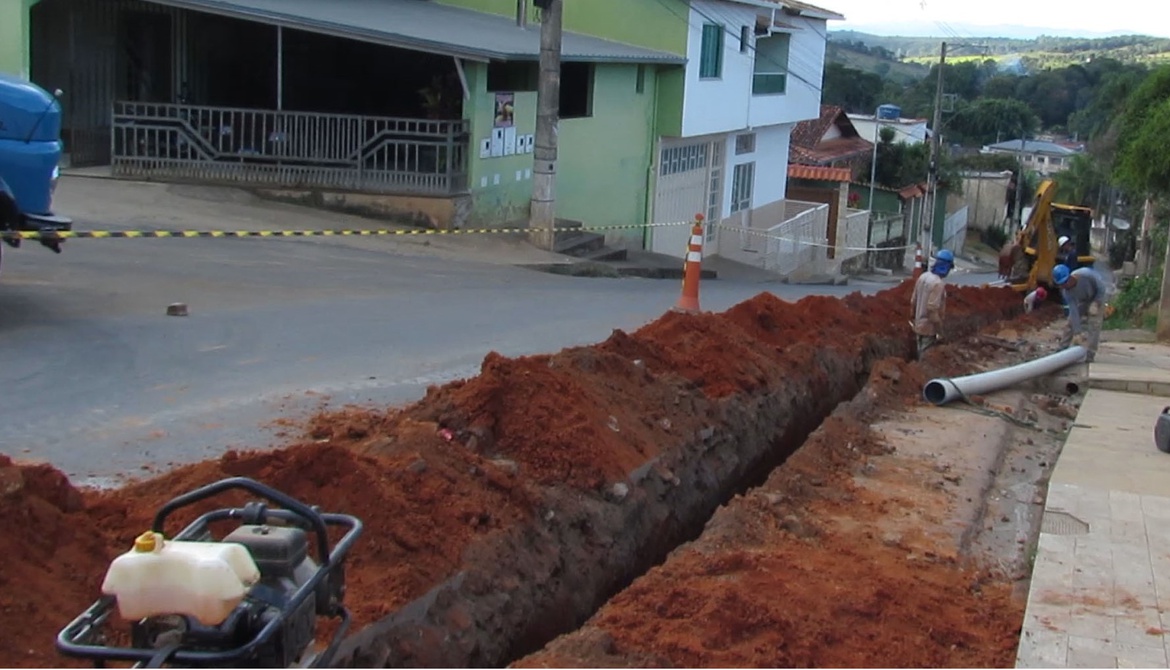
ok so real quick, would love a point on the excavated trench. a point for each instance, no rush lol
(504, 510)
(539, 581)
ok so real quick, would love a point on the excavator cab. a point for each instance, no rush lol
(1027, 261)
(1075, 223)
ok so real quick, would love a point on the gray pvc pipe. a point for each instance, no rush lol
(943, 390)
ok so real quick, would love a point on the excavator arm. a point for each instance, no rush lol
(1027, 261)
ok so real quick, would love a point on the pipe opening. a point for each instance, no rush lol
(935, 392)
(1072, 388)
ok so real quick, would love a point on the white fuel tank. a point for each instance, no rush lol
(203, 580)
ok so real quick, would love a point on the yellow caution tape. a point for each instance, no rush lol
(147, 234)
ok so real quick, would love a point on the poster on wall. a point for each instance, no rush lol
(505, 110)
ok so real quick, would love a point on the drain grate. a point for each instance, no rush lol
(1062, 523)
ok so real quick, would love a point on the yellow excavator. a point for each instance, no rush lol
(1026, 261)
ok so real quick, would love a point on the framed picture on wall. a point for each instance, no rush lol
(505, 110)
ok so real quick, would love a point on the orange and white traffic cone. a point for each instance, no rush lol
(692, 269)
(919, 265)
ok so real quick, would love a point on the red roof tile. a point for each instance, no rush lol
(819, 172)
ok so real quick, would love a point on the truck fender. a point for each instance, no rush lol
(9, 214)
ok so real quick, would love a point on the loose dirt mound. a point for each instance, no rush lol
(799, 573)
(53, 561)
(476, 458)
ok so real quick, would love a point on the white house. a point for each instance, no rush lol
(754, 70)
(906, 131)
(1044, 156)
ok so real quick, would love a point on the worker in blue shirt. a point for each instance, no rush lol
(1084, 294)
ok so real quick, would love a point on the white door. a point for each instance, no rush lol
(686, 172)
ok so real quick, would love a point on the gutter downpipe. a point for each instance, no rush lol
(942, 390)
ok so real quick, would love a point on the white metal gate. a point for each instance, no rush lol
(686, 174)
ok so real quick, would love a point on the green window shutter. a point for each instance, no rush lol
(711, 57)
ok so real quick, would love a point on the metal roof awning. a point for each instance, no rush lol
(422, 25)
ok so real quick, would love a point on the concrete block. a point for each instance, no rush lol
(1087, 652)
(1042, 649)
(1142, 628)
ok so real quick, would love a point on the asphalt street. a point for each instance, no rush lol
(99, 381)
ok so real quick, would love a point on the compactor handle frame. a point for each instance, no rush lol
(81, 638)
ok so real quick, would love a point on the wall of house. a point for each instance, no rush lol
(885, 201)
(653, 24)
(726, 103)
(986, 195)
(14, 35)
(771, 159)
(602, 159)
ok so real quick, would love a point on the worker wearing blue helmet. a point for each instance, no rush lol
(1084, 292)
(929, 301)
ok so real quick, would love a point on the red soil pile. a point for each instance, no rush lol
(583, 417)
(798, 573)
(470, 458)
(421, 506)
(53, 562)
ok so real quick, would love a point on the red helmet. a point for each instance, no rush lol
(1041, 294)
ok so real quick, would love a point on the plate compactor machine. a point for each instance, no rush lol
(249, 599)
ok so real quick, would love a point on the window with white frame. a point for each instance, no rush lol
(745, 144)
(683, 159)
(742, 180)
(711, 56)
(770, 72)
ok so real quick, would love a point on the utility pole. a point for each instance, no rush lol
(932, 177)
(1019, 213)
(542, 216)
(1162, 329)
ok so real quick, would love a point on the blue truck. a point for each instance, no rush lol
(30, 151)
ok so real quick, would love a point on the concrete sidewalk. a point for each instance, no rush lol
(1100, 590)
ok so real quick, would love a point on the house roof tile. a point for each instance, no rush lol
(424, 25)
(819, 172)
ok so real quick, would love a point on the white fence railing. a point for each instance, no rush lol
(783, 237)
(290, 149)
(800, 243)
(852, 235)
(886, 228)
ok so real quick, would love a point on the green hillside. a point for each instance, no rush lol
(1011, 53)
(879, 63)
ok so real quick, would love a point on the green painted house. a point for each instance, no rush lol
(428, 107)
(721, 123)
(14, 37)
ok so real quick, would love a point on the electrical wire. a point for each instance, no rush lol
(751, 47)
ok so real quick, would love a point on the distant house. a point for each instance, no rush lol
(906, 131)
(831, 140)
(1044, 156)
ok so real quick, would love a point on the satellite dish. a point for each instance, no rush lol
(1121, 224)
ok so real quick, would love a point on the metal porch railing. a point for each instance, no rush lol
(289, 149)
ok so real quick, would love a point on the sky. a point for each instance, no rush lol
(960, 17)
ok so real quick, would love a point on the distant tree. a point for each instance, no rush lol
(1082, 182)
(1143, 164)
(1001, 86)
(988, 119)
(852, 89)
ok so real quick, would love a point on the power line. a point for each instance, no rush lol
(727, 31)
(794, 55)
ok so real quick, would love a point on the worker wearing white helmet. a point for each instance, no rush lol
(1066, 252)
(1084, 293)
